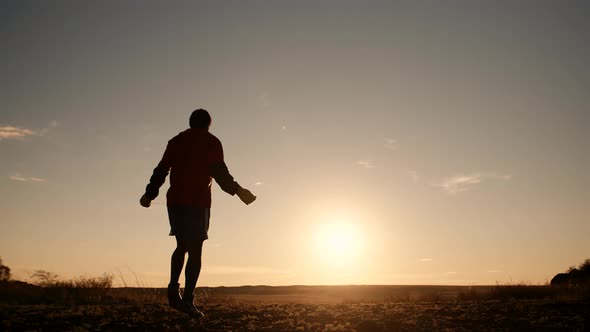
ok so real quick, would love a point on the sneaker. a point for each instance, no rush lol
(189, 308)
(174, 299)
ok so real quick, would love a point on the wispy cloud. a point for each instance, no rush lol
(20, 178)
(365, 163)
(390, 144)
(258, 183)
(461, 183)
(451, 272)
(426, 259)
(11, 132)
(19, 133)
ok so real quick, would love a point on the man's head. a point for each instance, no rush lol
(200, 119)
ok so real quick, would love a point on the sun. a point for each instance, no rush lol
(337, 250)
(337, 242)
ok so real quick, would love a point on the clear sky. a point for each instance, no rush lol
(387, 142)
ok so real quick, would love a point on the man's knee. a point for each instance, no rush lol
(195, 248)
(181, 245)
(180, 250)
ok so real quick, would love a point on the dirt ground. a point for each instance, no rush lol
(478, 315)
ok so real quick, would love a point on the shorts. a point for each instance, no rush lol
(189, 222)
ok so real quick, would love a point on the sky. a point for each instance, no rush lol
(387, 142)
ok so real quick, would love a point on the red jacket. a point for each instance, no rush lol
(193, 157)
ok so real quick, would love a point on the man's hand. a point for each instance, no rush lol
(145, 201)
(246, 196)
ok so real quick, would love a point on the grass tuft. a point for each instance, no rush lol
(81, 290)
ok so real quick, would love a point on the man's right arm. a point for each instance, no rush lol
(157, 179)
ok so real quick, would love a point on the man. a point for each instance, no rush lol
(193, 157)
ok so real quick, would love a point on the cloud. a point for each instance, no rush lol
(390, 144)
(11, 132)
(18, 177)
(451, 272)
(18, 133)
(258, 183)
(495, 271)
(461, 183)
(426, 259)
(365, 163)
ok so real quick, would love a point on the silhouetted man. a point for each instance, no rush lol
(193, 157)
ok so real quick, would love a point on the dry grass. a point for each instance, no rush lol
(81, 290)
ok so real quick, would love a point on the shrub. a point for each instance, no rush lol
(4, 272)
(585, 266)
(44, 278)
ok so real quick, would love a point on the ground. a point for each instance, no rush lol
(270, 309)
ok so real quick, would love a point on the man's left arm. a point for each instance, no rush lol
(225, 180)
(227, 183)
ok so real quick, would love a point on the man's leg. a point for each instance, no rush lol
(195, 223)
(193, 269)
(176, 218)
(177, 261)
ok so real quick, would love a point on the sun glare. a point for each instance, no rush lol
(338, 248)
(337, 242)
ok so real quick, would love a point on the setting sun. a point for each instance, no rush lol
(337, 242)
